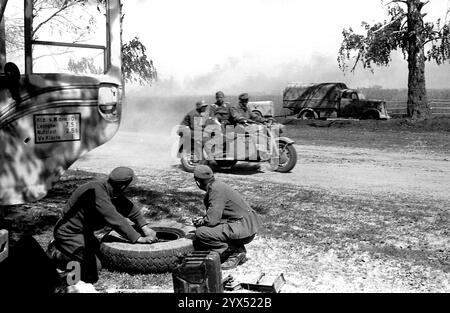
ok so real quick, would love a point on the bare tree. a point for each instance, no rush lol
(404, 30)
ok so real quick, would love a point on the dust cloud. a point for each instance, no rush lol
(158, 108)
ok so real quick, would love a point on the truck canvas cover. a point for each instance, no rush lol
(298, 96)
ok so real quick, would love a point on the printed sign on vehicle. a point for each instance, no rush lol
(57, 127)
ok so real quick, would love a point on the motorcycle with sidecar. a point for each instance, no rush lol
(225, 146)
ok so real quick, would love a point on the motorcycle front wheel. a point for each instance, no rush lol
(288, 157)
(188, 163)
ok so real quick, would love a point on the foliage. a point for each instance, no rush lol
(84, 65)
(57, 17)
(380, 39)
(404, 30)
(136, 66)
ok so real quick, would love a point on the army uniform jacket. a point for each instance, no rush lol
(221, 112)
(92, 207)
(225, 205)
(240, 114)
(195, 119)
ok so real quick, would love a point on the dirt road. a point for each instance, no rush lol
(336, 169)
(346, 219)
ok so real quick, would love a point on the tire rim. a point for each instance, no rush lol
(190, 159)
(284, 156)
(168, 234)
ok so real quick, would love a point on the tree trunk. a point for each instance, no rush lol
(417, 106)
(2, 46)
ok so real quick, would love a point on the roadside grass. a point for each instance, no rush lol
(400, 135)
(322, 241)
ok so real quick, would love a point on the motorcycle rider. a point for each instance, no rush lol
(215, 134)
(240, 114)
(196, 117)
(221, 110)
(195, 120)
(229, 222)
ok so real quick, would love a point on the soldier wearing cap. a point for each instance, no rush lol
(242, 115)
(192, 127)
(220, 109)
(91, 207)
(196, 118)
(229, 222)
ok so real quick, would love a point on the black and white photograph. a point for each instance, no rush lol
(237, 148)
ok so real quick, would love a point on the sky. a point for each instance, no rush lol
(199, 46)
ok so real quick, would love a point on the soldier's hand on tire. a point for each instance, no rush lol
(198, 221)
(147, 239)
(148, 232)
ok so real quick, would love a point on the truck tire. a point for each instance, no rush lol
(163, 256)
(307, 115)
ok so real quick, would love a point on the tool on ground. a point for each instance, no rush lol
(231, 284)
(264, 283)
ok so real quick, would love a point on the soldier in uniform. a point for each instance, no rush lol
(195, 120)
(242, 115)
(229, 223)
(91, 207)
(220, 109)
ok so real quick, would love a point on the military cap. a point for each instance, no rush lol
(243, 96)
(200, 104)
(220, 94)
(203, 172)
(121, 175)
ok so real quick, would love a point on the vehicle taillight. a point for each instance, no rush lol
(109, 98)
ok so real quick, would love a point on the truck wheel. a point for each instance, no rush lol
(288, 157)
(307, 115)
(163, 256)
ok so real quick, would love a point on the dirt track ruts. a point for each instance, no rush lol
(337, 169)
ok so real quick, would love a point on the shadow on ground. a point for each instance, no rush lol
(241, 168)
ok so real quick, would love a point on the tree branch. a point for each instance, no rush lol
(52, 54)
(422, 4)
(356, 62)
(65, 6)
(396, 1)
(434, 39)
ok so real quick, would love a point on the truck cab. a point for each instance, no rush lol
(353, 103)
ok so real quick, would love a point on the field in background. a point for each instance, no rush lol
(144, 112)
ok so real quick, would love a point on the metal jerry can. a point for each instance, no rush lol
(198, 273)
(3, 244)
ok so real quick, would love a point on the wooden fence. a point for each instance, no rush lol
(439, 107)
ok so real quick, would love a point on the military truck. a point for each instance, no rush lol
(331, 100)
